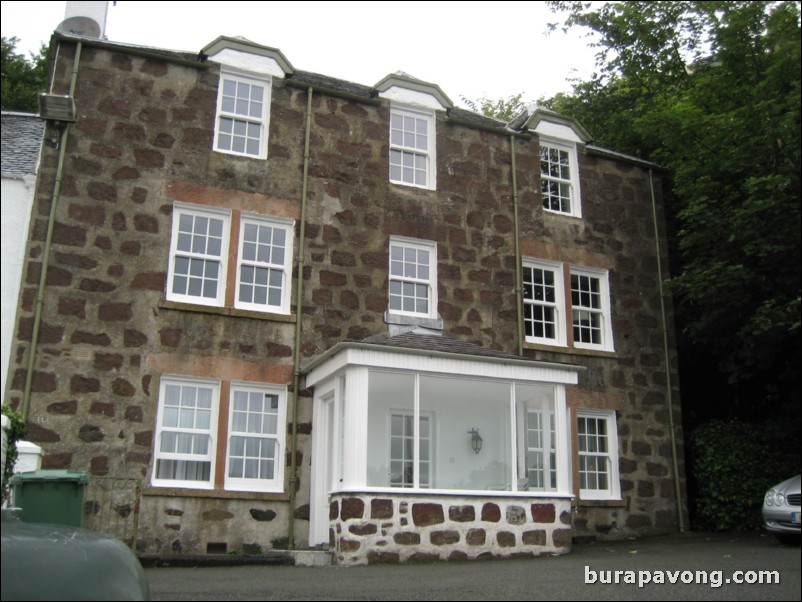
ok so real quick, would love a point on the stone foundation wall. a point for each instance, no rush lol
(201, 525)
(380, 528)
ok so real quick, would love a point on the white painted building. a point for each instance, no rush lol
(22, 136)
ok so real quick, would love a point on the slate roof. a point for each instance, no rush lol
(332, 83)
(423, 343)
(21, 139)
(471, 118)
(441, 344)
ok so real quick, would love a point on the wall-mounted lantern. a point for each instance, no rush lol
(476, 440)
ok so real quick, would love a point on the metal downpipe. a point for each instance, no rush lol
(518, 259)
(670, 397)
(299, 297)
(51, 223)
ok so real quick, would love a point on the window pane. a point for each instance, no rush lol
(183, 443)
(203, 419)
(167, 442)
(390, 403)
(210, 289)
(226, 125)
(184, 470)
(235, 467)
(455, 407)
(536, 453)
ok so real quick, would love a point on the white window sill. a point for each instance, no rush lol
(402, 491)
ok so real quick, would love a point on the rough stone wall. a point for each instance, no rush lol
(377, 528)
(354, 210)
(143, 139)
(175, 525)
(617, 233)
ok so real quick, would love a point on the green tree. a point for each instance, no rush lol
(711, 91)
(503, 108)
(22, 79)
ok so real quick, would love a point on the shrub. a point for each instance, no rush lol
(16, 431)
(732, 465)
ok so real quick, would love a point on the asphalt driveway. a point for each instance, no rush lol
(692, 566)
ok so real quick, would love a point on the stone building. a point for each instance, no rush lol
(307, 312)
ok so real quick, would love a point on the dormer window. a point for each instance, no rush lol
(247, 71)
(243, 112)
(413, 105)
(412, 147)
(559, 179)
(560, 138)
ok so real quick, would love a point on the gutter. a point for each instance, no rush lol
(299, 297)
(179, 58)
(299, 83)
(51, 223)
(501, 130)
(669, 398)
(609, 154)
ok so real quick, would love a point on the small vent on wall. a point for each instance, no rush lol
(216, 548)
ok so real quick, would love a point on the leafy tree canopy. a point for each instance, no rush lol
(22, 79)
(504, 108)
(711, 91)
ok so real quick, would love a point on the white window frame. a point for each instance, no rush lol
(181, 210)
(545, 452)
(404, 244)
(557, 306)
(556, 460)
(603, 311)
(572, 181)
(163, 427)
(415, 439)
(610, 455)
(276, 483)
(399, 145)
(284, 266)
(260, 120)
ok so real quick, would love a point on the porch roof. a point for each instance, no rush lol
(424, 345)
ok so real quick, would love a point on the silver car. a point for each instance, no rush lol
(781, 510)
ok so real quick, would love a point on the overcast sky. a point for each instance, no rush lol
(469, 49)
